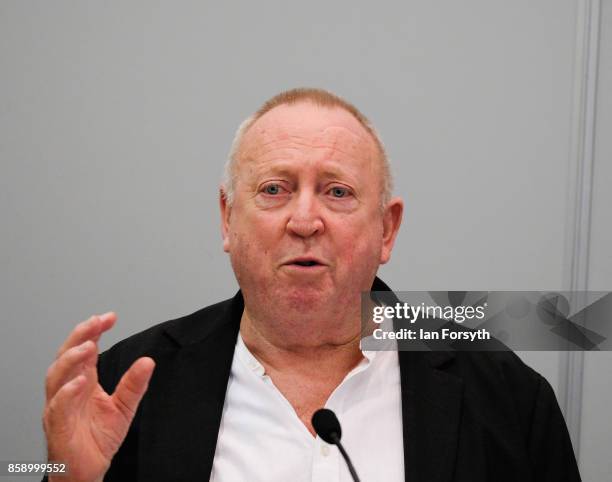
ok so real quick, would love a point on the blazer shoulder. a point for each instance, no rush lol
(501, 363)
(162, 339)
(505, 392)
(502, 377)
(503, 368)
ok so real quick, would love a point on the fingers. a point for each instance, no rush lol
(71, 363)
(90, 329)
(60, 412)
(132, 386)
(78, 354)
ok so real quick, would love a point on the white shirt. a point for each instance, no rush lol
(261, 438)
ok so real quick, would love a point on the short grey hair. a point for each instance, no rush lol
(319, 97)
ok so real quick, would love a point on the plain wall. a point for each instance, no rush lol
(116, 119)
(596, 427)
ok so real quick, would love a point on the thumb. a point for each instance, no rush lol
(132, 386)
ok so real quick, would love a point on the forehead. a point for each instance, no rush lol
(308, 127)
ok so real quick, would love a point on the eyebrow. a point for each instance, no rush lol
(276, 170)
(335, 173)
(284, 170)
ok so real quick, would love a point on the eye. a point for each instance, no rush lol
(272, 189)
(339, 191)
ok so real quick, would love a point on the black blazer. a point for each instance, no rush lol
(480, 416)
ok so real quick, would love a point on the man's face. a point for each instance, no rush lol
(306, 232)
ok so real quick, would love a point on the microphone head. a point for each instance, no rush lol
(327, 426)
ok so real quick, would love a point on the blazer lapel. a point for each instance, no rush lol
(431, 408)
(183, 413)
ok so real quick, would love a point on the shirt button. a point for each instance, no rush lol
(324, 450)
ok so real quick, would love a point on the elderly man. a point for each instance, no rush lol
(227, 393)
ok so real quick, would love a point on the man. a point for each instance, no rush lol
(228, 392)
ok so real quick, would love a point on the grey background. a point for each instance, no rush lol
(116, 119)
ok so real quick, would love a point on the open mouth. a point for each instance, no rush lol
(306, 263)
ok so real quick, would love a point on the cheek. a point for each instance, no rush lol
(244, 246)
(251, 239)
(360, 247)
(245, 257)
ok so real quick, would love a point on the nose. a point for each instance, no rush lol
(305, 220)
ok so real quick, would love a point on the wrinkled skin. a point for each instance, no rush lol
(308, 184)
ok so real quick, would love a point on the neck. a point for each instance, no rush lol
(305, 373)
(331, 358)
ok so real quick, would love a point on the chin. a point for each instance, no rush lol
(303, 298)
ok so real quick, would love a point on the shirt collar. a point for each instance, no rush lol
(247, 358)
(253, 364)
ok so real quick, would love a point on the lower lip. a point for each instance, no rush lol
(297, 268)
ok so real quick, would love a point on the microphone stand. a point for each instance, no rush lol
(336, 440)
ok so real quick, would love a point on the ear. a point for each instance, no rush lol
(226, 211)
(392, 219)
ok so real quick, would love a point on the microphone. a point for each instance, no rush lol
(327, 426)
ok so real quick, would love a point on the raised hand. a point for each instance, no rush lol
(84, 425)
